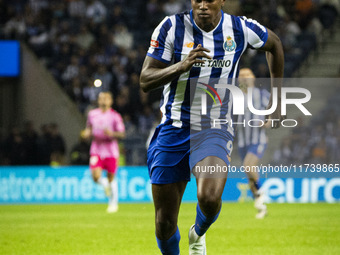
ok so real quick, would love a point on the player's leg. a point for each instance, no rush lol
(249, 162)
(101, 180)
(209, 195)
(167, 200)
(111, 167)
(169, 173)
(96, 174)
(96, 166)
(98, 178)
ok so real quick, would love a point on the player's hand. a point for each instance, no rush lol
(275, 118)
(194, 57)
(86, 134)
(108, 132)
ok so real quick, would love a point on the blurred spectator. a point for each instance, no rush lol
(122, 37)
(103, 37)
(85, 38)
(15, 151)
(305, 9)
(44, 146)
(154, 13)
(56, 142)
(130, 127)
(122, 101)
(75, 91)
(319, 153)
(122, 76)
(83, 74)
(96, 11)
(80, 154)
(145, 121)
(117, 16)
(30, 138)
(328, 12)
(134, 97)
(76, 8)
(172, 7)
(72, 69)
(15, 27)
(37, 5)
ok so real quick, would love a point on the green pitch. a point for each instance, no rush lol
(88, 229)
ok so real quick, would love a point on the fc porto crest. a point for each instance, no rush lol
(229, 45)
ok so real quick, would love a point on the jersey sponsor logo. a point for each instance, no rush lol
(229, 45)
(154, 43)
(216, 63)
(189, 45)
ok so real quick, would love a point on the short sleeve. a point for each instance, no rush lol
(161, 45)
(118, 125)
(257, 34)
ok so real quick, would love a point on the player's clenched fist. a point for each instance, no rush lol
(193, 57)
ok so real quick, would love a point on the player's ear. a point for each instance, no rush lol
(222, 2)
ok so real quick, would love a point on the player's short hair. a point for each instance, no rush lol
(107, 92)
(248, 69)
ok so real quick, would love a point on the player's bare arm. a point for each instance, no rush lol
(156, 74)
(87, 133)
(275, 59)
(114, 134)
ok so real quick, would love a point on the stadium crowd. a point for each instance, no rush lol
(26, 147)
(80, 41)
(316, 143)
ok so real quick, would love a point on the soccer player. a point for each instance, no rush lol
(182, 48)
(106, 126)
(252, 141)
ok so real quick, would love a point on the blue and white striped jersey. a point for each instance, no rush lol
(247, 135)
(172, 41)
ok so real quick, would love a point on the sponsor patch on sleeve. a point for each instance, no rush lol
(154, 43)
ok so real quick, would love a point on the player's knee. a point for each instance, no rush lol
(251, 180)
(209, 202)
(110, 177)
(165, 226)
(95, 177)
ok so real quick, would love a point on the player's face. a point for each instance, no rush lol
(104, 100)
(207, 11)
(246, 79)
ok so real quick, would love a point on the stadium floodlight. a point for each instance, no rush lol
(97, 83)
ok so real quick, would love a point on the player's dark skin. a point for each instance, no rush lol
(155, 74)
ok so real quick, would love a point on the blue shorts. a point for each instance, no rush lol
(173, 152)
(257, 149)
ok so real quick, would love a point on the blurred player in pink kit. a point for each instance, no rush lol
(105, 126)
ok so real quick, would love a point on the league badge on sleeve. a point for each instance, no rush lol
(229, 45)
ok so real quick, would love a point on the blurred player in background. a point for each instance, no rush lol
(252, 141)
(182, 48)
(105, 126)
